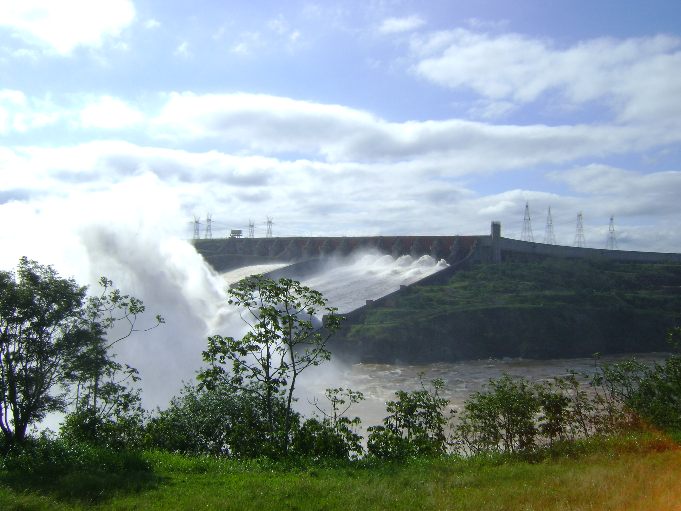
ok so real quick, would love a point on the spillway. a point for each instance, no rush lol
(348, 282)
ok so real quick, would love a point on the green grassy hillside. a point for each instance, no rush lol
(553, 308)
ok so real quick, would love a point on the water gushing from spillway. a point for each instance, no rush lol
(347, 283)
(194, 302)
(136, 239)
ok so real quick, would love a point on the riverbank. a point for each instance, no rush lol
(633, 472)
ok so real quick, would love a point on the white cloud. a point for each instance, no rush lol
(306, 196)
(278, 25)
(400, 25)
(182, 50)
(62, 26)
(20, 114)
(278, 36)
(626, 191)
(109, 113)
(24, 54)
(303, 195)
(247, 44)
(638, 77)
(259, 124)
(152, 23)
(270, 124)
(412, 166)
(258, 120)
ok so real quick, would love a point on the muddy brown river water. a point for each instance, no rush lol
(378, 382)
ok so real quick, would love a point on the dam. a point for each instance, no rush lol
(230, 253)
(390, 315)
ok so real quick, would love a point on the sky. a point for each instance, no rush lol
(124, 119)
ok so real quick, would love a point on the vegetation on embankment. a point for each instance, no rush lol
(639, 472)
(233, 440)
(549, 309)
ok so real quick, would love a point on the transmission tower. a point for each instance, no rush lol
(549, 236)
(269, 228)
(527, 235)
(611, 244)
(579, 235)
(251, 229)
(197, 228)
(208, 233)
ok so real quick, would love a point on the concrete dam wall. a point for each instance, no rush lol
(304, 255)
(229, 253)
(535, 332)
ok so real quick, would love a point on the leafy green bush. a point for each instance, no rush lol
(653, 392)
(217, 421)
(50, 456)
(320, 439)
(415, 426)
(333, 436)
(87, 426)
(501, 419)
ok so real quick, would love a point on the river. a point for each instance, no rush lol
(378, 382)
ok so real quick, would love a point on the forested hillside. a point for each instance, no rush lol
(552, 308)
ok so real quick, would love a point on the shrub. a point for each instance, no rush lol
(415, 426)
(217, 421)
(501, 419)
(87, 426)
(334, 435)
(320, 439)
(653, 393)
(55, 456)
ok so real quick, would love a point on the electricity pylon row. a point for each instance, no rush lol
(550, 237)
(208, 229)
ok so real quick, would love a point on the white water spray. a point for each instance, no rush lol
(347, 283)
(127, 234)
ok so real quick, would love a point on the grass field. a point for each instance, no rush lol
(634, 473)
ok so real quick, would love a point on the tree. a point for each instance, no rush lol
(53, 339)
(39, 314)
(105, 407)
(282, 342)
